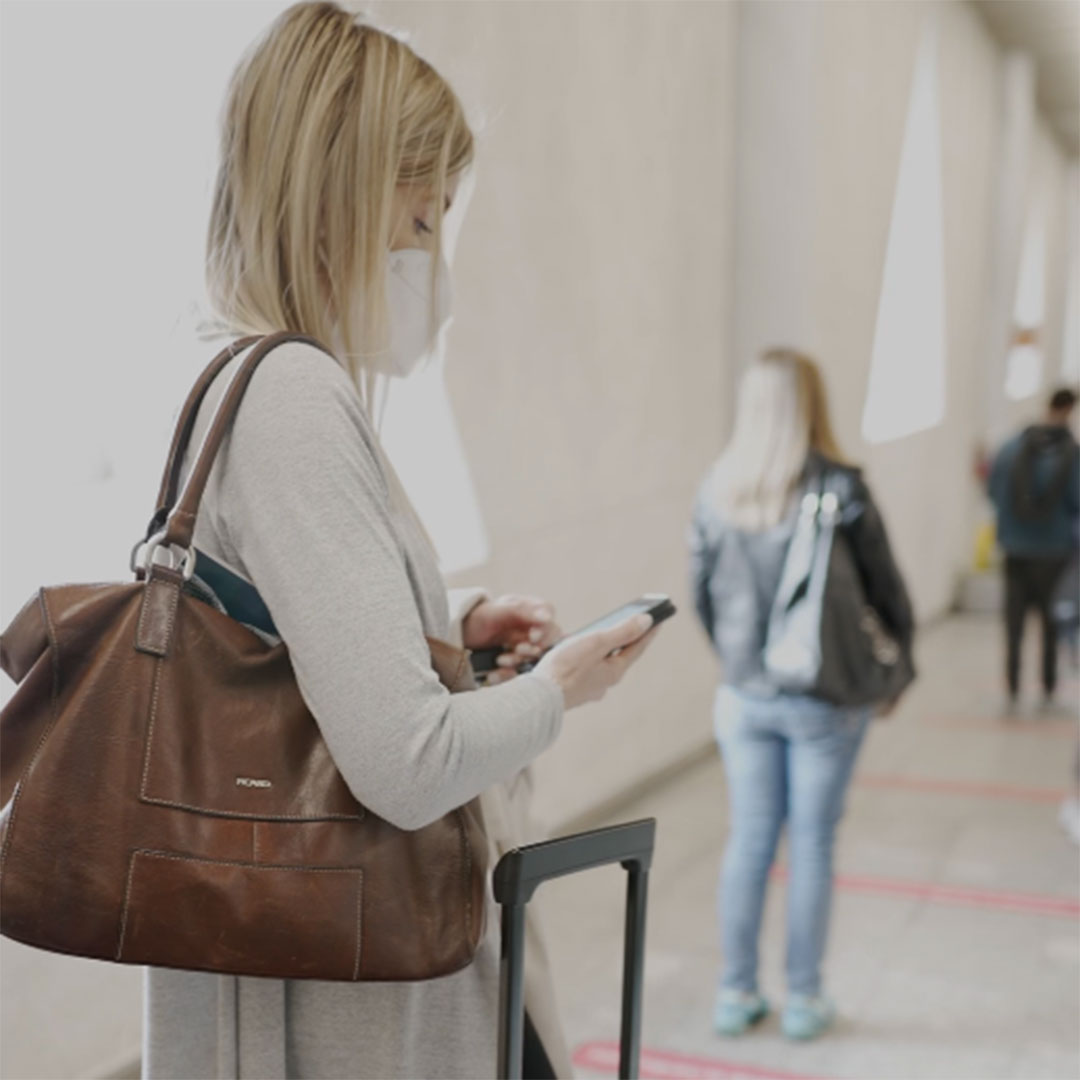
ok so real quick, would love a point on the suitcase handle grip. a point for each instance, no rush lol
(521, 871)
(518, 875)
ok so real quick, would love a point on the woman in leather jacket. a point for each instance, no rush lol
(788, 757)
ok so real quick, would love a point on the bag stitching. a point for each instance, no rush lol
(202, 809)
(248, 816)
(176, 857)
(127, 901)
(140, 637)
(142, 617)
(466, 865)
(169, 622)
(54, 644)
(173, 608)
(150, 729)
(359, 924)
(243, 866)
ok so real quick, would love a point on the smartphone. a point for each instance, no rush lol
(657, 605)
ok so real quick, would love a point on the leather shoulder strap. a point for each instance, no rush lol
(180, 522)
(170, 477)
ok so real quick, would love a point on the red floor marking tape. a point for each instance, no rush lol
(1025, 903)
(1041, 727)
(667, 1065)
(962, 787)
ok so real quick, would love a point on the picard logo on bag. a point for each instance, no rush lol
(251, 781)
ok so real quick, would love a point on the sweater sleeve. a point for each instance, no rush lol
(461, 603)
(306, 508)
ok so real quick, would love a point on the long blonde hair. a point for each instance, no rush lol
(324, 118)
(782, 415)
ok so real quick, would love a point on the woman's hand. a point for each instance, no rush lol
(586, 667)
(523, 625)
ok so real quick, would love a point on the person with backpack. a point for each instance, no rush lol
(797, 589)
(1034, 484)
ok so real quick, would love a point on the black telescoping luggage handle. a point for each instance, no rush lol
(518, 875)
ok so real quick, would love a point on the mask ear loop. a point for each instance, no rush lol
(382, 399)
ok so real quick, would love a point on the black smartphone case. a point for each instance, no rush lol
(483, 660)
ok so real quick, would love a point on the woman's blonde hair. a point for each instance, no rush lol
(324, 119)
(782, 414)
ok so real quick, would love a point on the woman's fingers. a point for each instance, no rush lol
(631, 653)
(543, 631)
(529, 630)
(624, 634)
(528, 620)
(522, 652)
(586, 667)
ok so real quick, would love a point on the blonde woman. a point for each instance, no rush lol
(341, 151)
(788, 757)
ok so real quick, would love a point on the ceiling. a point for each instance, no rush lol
(1050, 31)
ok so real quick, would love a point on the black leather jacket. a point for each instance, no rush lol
(735, 574)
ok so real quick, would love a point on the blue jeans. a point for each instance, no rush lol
(787, 758)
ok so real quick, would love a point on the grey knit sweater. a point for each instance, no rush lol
(299, 504)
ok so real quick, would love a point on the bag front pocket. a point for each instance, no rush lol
(243, 918)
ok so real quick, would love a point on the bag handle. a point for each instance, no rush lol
(170, 477)
(179, 524)
(819, 506)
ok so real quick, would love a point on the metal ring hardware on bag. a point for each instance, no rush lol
(144, 560)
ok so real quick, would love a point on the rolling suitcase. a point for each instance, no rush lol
(518, 875)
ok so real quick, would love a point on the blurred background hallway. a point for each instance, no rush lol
(662, 190)
(955, 949)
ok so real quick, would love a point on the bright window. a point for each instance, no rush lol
(906, 391)
(421, 438)
(1024, 367)
(1070, 343)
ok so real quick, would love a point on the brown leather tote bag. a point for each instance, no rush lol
(168, 798)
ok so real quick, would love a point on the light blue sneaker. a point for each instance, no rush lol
(738, 1010)
(807, 1016)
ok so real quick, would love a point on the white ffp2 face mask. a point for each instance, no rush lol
(416, 317)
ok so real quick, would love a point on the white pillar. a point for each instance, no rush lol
(1015, 148)
(1067, 363)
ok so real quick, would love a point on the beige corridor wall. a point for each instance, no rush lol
(1048, 188)
(587, 358)
(849, 84)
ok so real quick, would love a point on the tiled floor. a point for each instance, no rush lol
(955, 946)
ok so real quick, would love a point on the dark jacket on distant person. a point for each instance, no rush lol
(1035, 488)
(735, 574)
